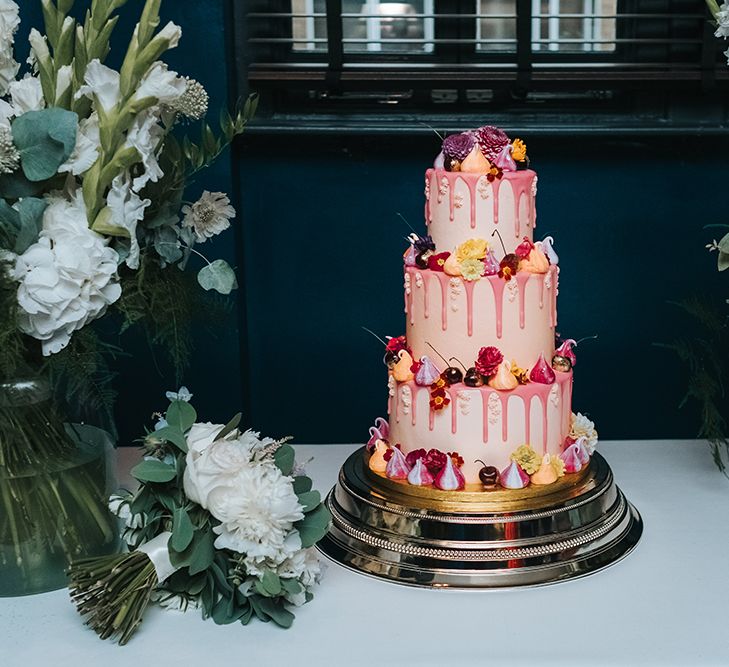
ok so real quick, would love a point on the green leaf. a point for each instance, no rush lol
(181, 416)
(267, 608)
(172, 435)
(309, 500)
(313, 526)
(45, 140)
(724, 244)
(285, 458)
(271, 583)
(199, 555)
(30, 212)
(218, 276)
(182, 529)
(292, 586)
(302, 484)
(723, 261)
(153, 470)
(16, 186)
(229, 427)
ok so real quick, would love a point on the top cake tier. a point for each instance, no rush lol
(464, 205)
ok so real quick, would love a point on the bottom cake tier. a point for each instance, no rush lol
(482, 425)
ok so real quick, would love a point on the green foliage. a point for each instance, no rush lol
(217, 276)
(152, 470)
(12, 345)
(45, 140)
(314, 526)
(284, 459)
(706, 357)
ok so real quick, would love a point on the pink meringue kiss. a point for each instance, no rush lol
(491, 264)
(450, 478)
(572, 459)
(409, 256)
(397, 466)
(383, 426)
(566, 350)
(504, 159)
(513, 477)
(547, 247)
(542, 372)
(375, 435)
(427, 373)
(581, 449)
(377, 461)
(420, 475)
(476, 162)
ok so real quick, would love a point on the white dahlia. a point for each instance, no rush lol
(208, 216)
(67, 279)
(583, 427)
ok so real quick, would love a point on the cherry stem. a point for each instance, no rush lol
(497, 233)
(481, 462)
(460, 362)
(375, 335)
(438, 353)
(402, 217)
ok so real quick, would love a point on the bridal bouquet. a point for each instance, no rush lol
(224, 521)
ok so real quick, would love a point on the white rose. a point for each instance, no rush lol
(583, 427)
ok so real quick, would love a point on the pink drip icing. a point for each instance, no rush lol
(469, 304)
(555, 287)
(431, 419)
(428, 176)
(541, 294)
(426, 295)
(497, 284)
(414, 402)
(472, 194)
(454, 410)
(397, 404)
(522, 279)
(451, 198)
(565, 379)
(504, 415)
(495, 186)
(485, 401)
(444, 282)
(409, 297)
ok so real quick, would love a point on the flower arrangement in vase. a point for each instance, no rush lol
(93, 224)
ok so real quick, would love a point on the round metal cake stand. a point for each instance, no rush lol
(502, 539)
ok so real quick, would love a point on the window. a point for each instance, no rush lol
(341, 63)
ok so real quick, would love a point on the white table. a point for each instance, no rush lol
(666, 604)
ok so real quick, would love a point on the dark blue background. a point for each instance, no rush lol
(318, 248)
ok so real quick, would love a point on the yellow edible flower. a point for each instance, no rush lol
(527, 459)
(472, 269)
(472, 249)
(558, 465)
(518, 150)
(521, 374)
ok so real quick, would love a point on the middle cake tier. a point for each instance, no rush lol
(458, 317)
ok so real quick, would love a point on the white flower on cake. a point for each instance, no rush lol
(254, 501)
(583, 427)
(67, 279)
(208, 216)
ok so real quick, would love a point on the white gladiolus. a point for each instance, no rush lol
(146, 135)
(86, 151)
(162, 84)
(64, 79)
(102, 84)
(127, 211)
(722, 20)
(67, 279)
(172, 33)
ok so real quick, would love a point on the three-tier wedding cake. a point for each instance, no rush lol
(480, 388)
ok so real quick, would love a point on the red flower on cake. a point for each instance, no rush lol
(494, 174)
(414, 456)
(524, 248)
(440, 383)
(396, 344)
(415, 367)
(457, 459)
(488, 361)
(388, 454)
(434, 461)
(436, 262)
(508, 267)
(438, 399)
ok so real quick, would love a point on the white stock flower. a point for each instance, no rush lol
(67, 278)
(127, 211)
(162, 84)
(86, 151)
(26, 95)
(102, 84)
(583, 427)
(305, 567)
(146, 135)
(208, 216)
(722, 20)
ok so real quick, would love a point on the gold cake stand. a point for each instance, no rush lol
(478, 539)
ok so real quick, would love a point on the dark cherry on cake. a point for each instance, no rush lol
(489, 476)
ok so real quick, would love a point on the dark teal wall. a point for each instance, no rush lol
(320, 246)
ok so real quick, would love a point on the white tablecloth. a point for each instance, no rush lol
(666, 604)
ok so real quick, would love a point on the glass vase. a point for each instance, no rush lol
(55, 480)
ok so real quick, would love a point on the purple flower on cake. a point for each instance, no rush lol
(458, 146)
(488, 360)
(422, 244)
(491, 140)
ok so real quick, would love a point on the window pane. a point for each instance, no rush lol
(496, 25)
(367, 25)
(574, 25)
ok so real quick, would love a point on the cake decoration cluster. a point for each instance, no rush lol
(487, 150)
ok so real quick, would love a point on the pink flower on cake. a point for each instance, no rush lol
(491, 141)
(397, 344)
(415, 455)
(488, 360)
(437, 262)
(524, 248)
(434, 461)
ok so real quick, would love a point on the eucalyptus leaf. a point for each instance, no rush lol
(154, 471)
(16, 186)
(199, 555)
(724, 244)
(723, 261)
(271, 583)
(218, 276)
(229, 427)
(313, 526)
(182, 529)
(45, 140)
(30, 213)
(309, 500)
(275, 610)
(302, 484)
(284, 458)
(173, 435)
(181, 415)
(167, 244)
